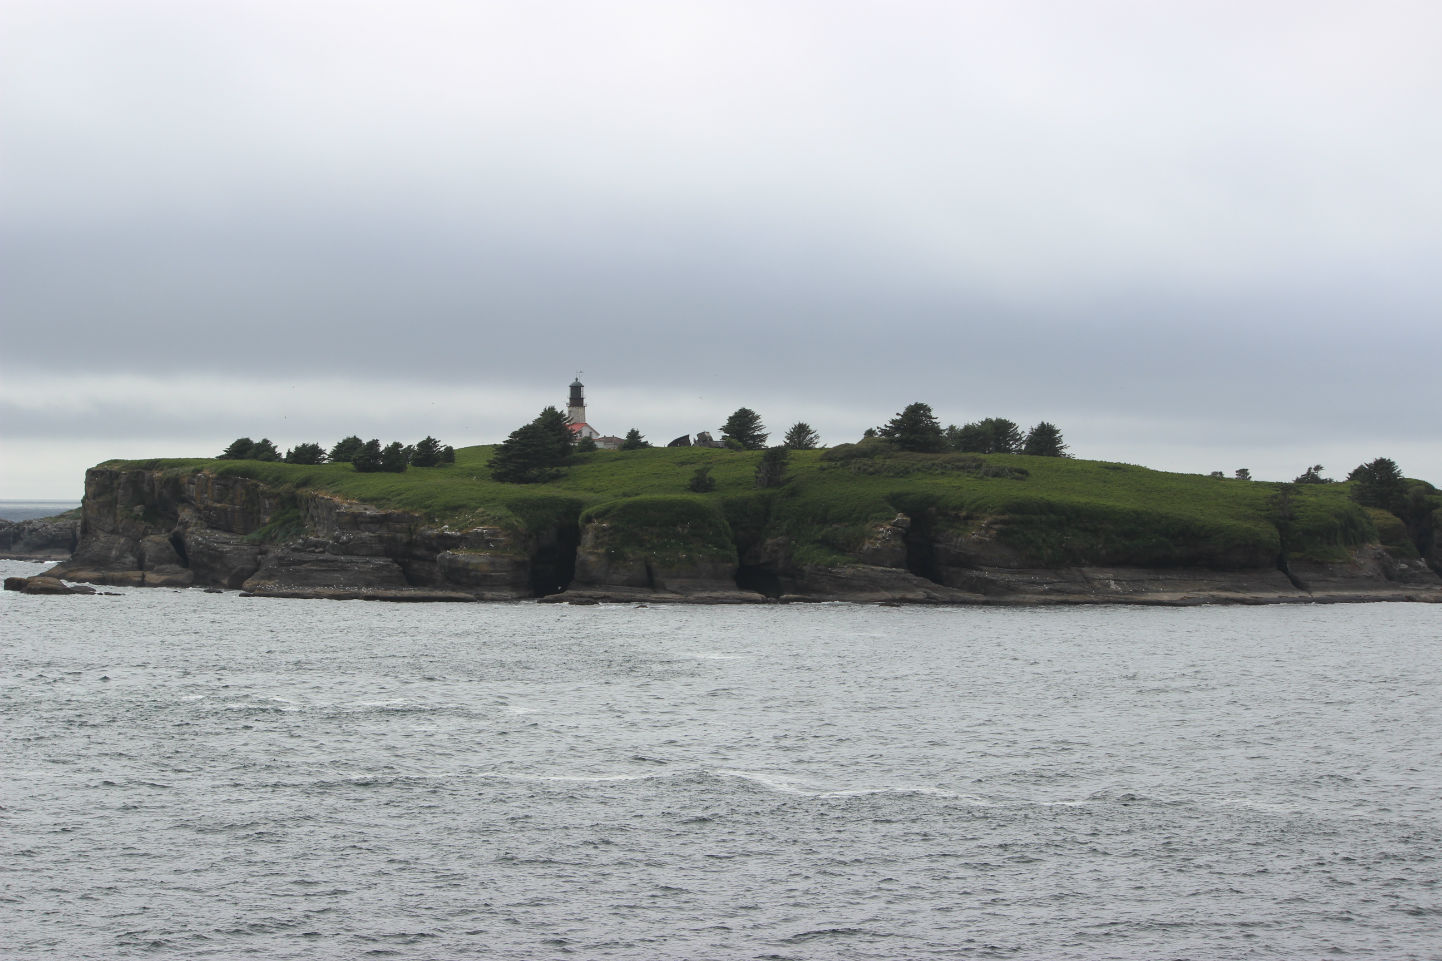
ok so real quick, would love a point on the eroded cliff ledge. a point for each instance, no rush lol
(160, 528)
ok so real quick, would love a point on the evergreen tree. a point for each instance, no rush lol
(239, 449)
(771, 471)
(427, 452)
(973, 438)
(264, 450)
(534, 452)
(1044, 440)
(558, 433)
(586, 445)
(994, 435)
(367, 459)
(394, 458)
(916, 429)
(345, 450)
(1006, 437)
(634, 440)
(448, 454)
(1312, 475)
(801, 437)
(744, 427)
(1243, 473)
(1378, 483)
(305, 454)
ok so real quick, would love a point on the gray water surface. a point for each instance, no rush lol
(189, 775)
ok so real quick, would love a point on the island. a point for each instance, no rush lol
(863, 522)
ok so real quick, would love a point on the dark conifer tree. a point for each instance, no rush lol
(1378, 483)
(345, 450)
(801, 437)
(427, 452)
(534, 452)
(367, 459)
(305, 454)
(264, 450)
(744, 427)
(1044, 440)
(394, 459)
(916, 429)
(239, 449)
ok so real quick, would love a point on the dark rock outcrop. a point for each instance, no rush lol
(666, 546)
(41, 539)
(41, 584)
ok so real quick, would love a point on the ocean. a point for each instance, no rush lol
(193, 775)
(24, 510)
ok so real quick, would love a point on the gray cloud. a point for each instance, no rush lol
(1211, 214)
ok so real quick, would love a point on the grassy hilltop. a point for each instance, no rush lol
(1048, 511)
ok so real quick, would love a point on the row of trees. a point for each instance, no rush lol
(367, 456)
(743, 430)
(1379, 482)
(537, 451)
(916, 428)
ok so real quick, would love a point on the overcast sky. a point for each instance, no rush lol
(1195, 235)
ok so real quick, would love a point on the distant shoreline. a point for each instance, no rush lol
(25, 509)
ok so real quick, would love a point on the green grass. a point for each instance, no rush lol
(1053, 510)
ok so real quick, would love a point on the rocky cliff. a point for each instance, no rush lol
(161, 529)
(168, 528)
(42, 539)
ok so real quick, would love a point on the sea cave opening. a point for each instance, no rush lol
(921, 548)
(553, 565)
(759, 578)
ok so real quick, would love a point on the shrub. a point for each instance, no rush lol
(702, 482)
(772, 469)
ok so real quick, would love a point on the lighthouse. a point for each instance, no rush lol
(576, 406)
(576, 412)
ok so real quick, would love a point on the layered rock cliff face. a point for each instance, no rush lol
(920, 560)
(148, 528)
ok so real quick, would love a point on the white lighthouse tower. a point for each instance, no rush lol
(576, 412)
